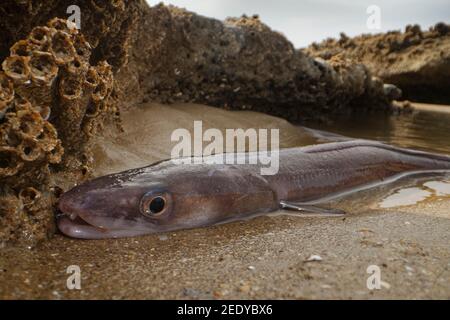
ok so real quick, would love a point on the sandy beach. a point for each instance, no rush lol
(263, 258)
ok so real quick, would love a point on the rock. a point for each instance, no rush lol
(392, 92)
(245, 288)
(314, 257)
(385, 285)
(416, 61)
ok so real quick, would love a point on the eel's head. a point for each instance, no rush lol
(104, 208)
(136, 203)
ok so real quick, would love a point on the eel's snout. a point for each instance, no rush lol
(70, 220)
(90, 213)
(67, 207)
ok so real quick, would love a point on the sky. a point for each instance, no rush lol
(306, 21)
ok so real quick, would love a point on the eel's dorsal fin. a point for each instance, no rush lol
(308, 208)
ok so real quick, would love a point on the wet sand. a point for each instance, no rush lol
(262, 258)
(159, 121)
(431, 107)
(265, 257)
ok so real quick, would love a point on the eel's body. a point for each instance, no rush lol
(168, 196)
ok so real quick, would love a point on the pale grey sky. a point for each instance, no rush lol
(305, 21)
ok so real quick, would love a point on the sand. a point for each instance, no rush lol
(265, 257)
(439, 108)
(262, 258)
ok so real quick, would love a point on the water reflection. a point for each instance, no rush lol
(422, 130)
(431, 190)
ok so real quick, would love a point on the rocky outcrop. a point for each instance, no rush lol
(416, 61)
(240, 64)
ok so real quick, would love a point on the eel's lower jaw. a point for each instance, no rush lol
(75, 227)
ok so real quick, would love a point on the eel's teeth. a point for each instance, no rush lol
(73, 216)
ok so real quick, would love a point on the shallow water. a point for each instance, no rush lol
(427, 128)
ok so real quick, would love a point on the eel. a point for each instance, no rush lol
(168, 196)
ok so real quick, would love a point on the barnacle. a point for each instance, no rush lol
(29, 122)
(92, 78)
(29, 150)
(56, 153)
(21, 103)
(62, 48)
(70, 89)
(101, 91)
(63, 25)
(17, 68)
(41, 36)
(43, 68)
(48, 137)
(44, 111)
(23, 48)
(92, 110)
(77, 66)
(8, 136)
(118, 4)
(82, 47)
(29, 196)
(6, 93)
(9, 162)
(99, 5)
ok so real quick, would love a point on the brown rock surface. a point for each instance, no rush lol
(176, 55)
(416, 61)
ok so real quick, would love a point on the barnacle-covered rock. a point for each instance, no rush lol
(49, 92)
(105, 24)
(239, 63)
(417, 61)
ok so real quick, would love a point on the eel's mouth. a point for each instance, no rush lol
(76, 222)
(74, 226)
(83, 216)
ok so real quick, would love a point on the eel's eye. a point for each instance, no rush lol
(155, 204)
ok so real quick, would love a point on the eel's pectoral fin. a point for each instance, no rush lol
(308, 208)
